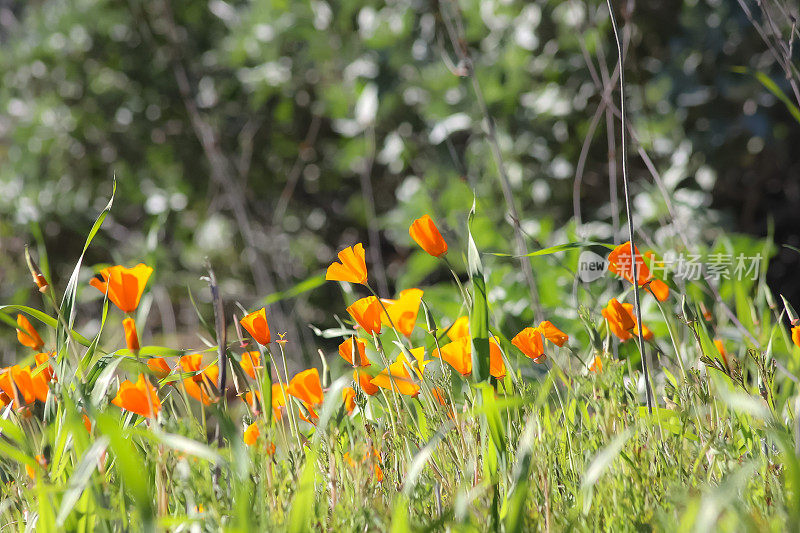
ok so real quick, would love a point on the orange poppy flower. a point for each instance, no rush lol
(621, 321)
(364, 381)
(203, 383)
(458, 354)
(87, 423)
(530, 342)
(403, 311)
(419, 361)
(159, 367)
(426, 234)
(346, 351)
(41, 461)
(134, 397)
(722, 352)
(553, 334)
(124, 285)
(459, 329)
(349, 397)
(27, 334)
(306, 386)
(352, 266)
(250, 362)
(251, 434)
(16, 383)
(131, 336)
(40, 379)
(597, 365)
(397, 378)
(620, 262)
(439, 396)
(796, 336)
(367, 313)
(256, 325)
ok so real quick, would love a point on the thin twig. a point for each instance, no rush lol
(634, 263)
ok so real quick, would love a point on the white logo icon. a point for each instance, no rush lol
(591, 266)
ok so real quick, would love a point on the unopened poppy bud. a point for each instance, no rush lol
(131, 337)
(36, 273)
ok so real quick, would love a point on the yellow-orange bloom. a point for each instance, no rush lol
(458, 354)
(597, 365)
(17, 384)
(367, 313)
(278, 399)
(796, 336)
(27, 334)
(250, 362)
(620, 263)
(131, 336)
(364, 381)
(134, 397)
(124, 285)
(553, 334)
(349, 397)
(346, 351)
(352, 266)
(307, 387)
(251, 434)
(202, 384)
(256, 325)
(426, 234)
(621, 320)
(397, 378)
(530, 342)
(459, 329)
(159, 367)
(403, 311)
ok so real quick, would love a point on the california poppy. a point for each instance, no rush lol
(367, 313)
(278, 399)
(419, 360)
(352, 266)
(364, 381)
(251, 434)
(530, 342)
(597, 365)
(397, 378)
(250, 362)
(403, 311)
(458, 354)
(41, 376)
(124, 285)
(620, 263)
(256, 325)
(307, 387)
(346, 350)
(203, 383)
(552, 333)
(426, 234)
(622, 322)
(134, 397)
(349, 397)
(27, 334)
(796, 336)
(131, 336)
(159, 367)
(17, 384)
(459, 329)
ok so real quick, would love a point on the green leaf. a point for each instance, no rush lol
(772, 87)
(601, 462)
(557, 248)
(80, 478)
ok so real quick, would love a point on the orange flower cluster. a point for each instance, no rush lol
(530, 340)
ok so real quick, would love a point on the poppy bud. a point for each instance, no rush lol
(36, 274)
(131, 337)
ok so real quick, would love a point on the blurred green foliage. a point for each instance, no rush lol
(243, 132)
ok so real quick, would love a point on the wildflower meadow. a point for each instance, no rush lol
(469, 359)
